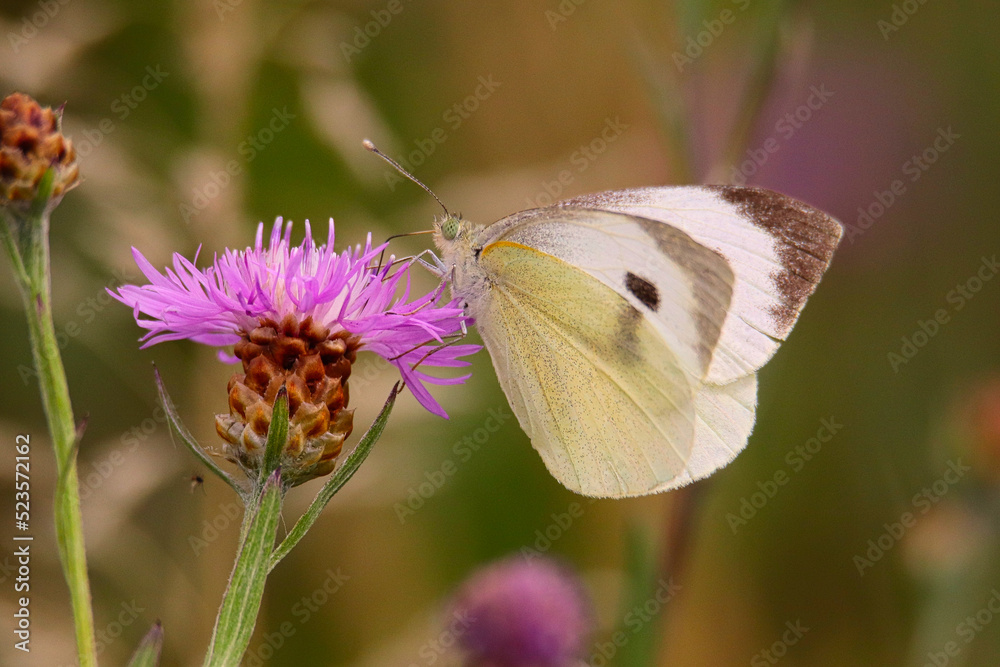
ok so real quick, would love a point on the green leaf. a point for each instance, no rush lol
(177, 426)
(43, 193)
(277, 434)
(8, 233)
(241, 604)
(148, 652)
(336, 481)
(26, 236)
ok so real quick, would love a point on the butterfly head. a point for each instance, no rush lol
(451, 232)
(450, 227)
(455, 238)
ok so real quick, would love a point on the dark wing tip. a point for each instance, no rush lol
(806, 239)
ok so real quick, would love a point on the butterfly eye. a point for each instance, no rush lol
(449, 228)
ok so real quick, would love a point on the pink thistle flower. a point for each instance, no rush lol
(297, 317)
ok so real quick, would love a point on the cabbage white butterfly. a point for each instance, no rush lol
(626, 328)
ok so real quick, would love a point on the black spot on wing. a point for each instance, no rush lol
(710, 276)
(643, 290)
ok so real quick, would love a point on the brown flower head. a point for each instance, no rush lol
(31, 141)
(314, 367)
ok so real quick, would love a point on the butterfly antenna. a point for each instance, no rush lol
(371, 147)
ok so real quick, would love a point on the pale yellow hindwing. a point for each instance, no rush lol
(602, 397)
(726, 416)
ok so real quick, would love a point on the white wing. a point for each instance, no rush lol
(600, 326)
(777, 247)
(603, 398)
(681, 286)
(626, 327)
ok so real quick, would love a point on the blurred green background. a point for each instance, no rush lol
(489, 103)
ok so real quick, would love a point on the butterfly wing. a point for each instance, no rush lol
(601, 326)
(605, 401)
(683, 288)
(717, 277)
(724, 420)
(777, 247)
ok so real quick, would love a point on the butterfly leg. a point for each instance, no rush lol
(450, 340)
(435, 266)
(438, 271)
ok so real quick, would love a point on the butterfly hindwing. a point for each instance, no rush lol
(725, 419)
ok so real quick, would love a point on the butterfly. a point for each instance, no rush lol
(627, 327)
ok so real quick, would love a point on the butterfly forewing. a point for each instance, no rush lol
(682, 287)
(777, 247)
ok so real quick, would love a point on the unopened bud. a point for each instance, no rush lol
(31, 142)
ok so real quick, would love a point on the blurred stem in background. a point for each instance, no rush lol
(39, 166)
(776, 32)
(641, 574)
(778, 41)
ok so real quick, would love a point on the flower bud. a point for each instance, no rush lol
(31, 141)
(314, 367)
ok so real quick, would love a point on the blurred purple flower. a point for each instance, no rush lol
(524, 613)
(241, 291)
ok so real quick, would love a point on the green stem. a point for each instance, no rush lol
(32, 268)
(241, 603)
(257, 554)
